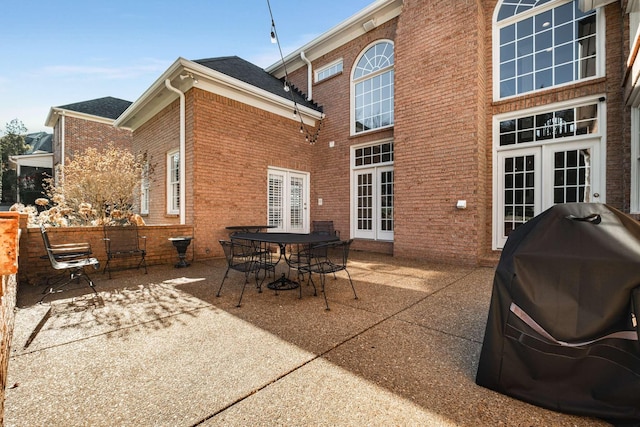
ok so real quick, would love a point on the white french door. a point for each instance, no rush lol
(530, 180)
(374, 204)
(288, 201)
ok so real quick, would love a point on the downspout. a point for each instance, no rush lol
(182, 178)
(309, 76)
(62, 124)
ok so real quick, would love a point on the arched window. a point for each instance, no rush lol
(373, 88)
(543, 43)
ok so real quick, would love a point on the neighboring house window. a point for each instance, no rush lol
(542, 44)
(144, 189)
(373, 190)
(173, 182)
(329, 70)
(372, 88)
(549, 155)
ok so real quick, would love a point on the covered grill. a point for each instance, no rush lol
(562, 331)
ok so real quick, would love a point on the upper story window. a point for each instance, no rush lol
(543, 43)
(372, 88)
(330, 70)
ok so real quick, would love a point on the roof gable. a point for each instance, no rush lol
(249, 73)
(108, 107)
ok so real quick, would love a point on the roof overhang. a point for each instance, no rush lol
(184, 74)
(41, 160)
(367, 19)
(56, 112)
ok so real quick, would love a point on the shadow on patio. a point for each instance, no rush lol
(161, 349)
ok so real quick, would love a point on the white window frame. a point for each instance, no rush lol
(376, 169)
(173, 182)
(329, 70)
(144, 189)
(353, 83)
(543, 147)
(497, 25)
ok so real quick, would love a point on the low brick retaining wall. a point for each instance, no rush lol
(8, 266)
(34, 266)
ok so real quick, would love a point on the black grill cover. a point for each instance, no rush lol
(561, 331)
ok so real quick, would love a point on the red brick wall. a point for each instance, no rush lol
(330, 172)
(155, 139)
(80, 134)
(439, 131)
(443, 137)
(234, 144)
(33, 267)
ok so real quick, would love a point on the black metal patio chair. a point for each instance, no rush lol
(326, 258)
(123, 241)
(325, 228)
(71, 257)
(241, 256)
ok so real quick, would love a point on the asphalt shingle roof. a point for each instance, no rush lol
(247, 72)
(108, 107)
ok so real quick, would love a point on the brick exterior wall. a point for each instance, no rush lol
(229, 147)
(80, 133)
(234, 145)
(155, 139)
(443, 131)
(330, 170)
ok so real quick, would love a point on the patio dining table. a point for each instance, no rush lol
(284, 240)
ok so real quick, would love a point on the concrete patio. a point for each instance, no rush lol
(162, 350)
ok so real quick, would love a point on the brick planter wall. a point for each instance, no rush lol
(33, 266)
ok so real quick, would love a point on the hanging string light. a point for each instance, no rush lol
(310, 138)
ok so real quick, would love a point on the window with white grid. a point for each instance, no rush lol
(542, 44)
(373, 88)
(327, 71)
(173, 183)
(373, 180)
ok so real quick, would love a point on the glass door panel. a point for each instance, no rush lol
(519, 190)
(571, 173)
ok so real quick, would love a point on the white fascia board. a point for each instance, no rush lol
(135, 114)
(379, 11)
(157, 97)
(56, 112)
(44, 160)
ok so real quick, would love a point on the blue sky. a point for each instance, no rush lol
(64, 51)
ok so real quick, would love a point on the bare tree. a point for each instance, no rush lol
(97, 186)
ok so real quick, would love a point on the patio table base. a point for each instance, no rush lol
(283, 284)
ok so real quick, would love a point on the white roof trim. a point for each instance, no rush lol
(40, 160)
(157, 97)
(378, 12)
(56, 112)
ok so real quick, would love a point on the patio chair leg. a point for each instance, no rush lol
(355, 296)
(322, 280)
(221, 284)
(315, 291)
(74, 275)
